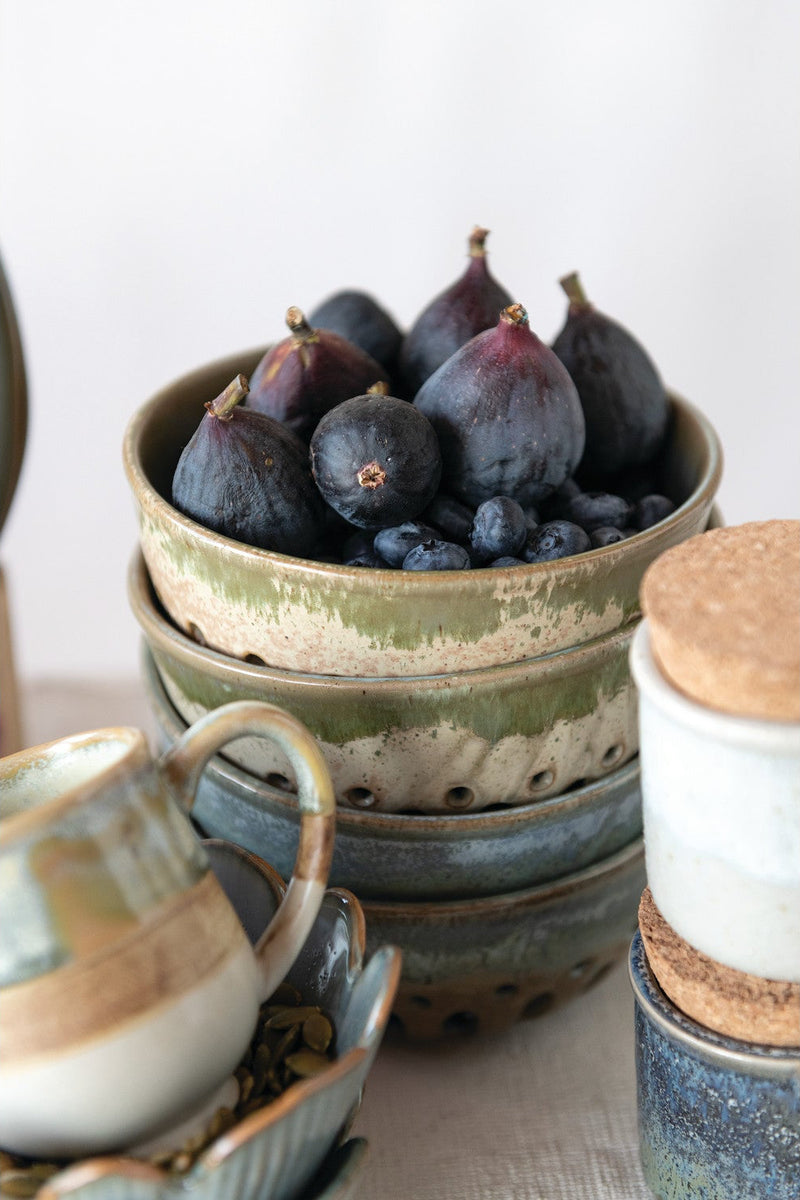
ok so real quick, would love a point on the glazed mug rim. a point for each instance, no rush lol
(51, 754)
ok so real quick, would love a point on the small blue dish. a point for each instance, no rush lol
(719, 1119)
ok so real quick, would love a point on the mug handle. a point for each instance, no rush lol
(181, 767)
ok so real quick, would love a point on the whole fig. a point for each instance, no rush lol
(507, 415)
(245, 475)
(357, 316)
(376, 460)
(309, 372)
(467, 307)
(624, 401)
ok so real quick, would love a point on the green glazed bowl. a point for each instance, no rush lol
(414, 856)
(299, 615)
(439, 743)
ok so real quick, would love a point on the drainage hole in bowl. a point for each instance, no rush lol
(281, 782)
(459, 797)
(254, 659)
(460, 1022)
(541, 780)
(506, 989)
(613, 754)
(361, 797)
(539, 1005)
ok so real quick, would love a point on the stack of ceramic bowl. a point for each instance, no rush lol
(716, 964)
(480, 727)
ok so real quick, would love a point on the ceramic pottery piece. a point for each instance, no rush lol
(122, 952)
(721, 806)
(718, 1118)
(414, 855)
(480, 965)
(286, 1150)
(319, 618)
(443, 743)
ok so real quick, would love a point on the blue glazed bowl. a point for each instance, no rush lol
(719, 1119)
(407, 856)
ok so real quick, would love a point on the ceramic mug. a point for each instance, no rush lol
(128, 988)
(721, 814)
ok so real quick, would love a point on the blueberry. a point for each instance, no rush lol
(556, 503)
(555, 539)
(452, 518)
(532, 516)
(394, 543)
(437, 556)
(368, 558)
(499, 528)
(591, 510)
(606, 535)
(651, 509)
(357, 542)
(507, 560)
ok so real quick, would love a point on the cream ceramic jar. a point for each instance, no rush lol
(717, 666)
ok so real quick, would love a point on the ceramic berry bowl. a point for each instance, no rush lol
(313, 617)
(286, 1149)
(480, 965)
(413, 856)
(510, 734)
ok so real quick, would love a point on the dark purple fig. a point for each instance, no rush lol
(245, 475)
(624, 401)
(302, 377)
(359, 318)
(467, 307)
(376, 460)
(507, 415)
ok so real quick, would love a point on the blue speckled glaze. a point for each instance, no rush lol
(719, 1119)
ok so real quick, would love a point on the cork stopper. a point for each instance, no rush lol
(724, 616)
(734, 1003)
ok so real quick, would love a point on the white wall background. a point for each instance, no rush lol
(175, 173)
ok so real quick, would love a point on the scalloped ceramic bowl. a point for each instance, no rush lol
(415, 856)
(438, 743)
(299, 615)
(278, 1150)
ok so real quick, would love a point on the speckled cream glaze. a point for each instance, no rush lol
(321, 618)
(435, 743)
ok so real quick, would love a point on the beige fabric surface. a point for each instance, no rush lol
(545, 1111)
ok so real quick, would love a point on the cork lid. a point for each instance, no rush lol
(724, 615)
(734, 1003)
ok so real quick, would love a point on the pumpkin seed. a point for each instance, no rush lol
(317, 1032)
(306, 1063)
(282, 1018)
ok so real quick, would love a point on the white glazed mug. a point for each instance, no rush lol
(721, 812)
(128, 988)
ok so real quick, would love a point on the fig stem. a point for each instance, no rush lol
(301, 330)
(574, 290)
(515, 314)
(222, 408)
(477, 242)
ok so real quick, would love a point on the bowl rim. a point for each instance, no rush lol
(141, 485)
(155, 625)
(502, 902)
(468, 824)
